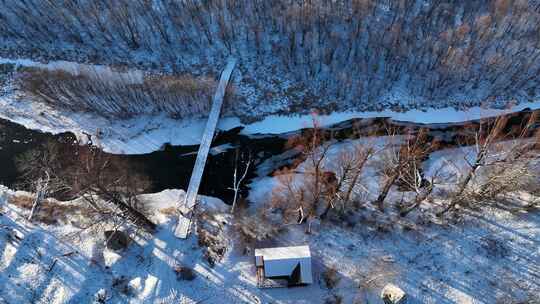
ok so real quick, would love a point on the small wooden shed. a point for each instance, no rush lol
(283, 266)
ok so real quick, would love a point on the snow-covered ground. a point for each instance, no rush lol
(488, 256)
(64, 264)
(491, 255)
(101, 71)
(148, 133)
(145, 134)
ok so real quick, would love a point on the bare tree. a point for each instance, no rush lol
(422, 188)
(42, 189)
(302, 190)
(362, 153)
(485, 136)
(349, 166)
(401, 162)
(289, 196)
(41, 173)
(500, 160)
(392, 163)
(512, 167)
(238, 180)
(107, 183)
(96, 174)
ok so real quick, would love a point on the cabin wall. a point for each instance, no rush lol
(284, 267)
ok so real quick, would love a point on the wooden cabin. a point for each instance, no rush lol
(283, 266)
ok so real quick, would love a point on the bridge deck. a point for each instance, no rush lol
(184, 220)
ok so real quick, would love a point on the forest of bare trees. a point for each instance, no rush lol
(329, 53)
(109, 185)
(493, 162)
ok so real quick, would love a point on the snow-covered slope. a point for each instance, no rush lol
(295, 55)
(62, 263)
(147, 133)
(486, 256)
(490, 256)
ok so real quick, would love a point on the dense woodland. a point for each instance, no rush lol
(446, 212)
(300, 54)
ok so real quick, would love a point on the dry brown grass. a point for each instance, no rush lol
(376, 273)
(254, 229)
(211, 237)
(169, 211)
(331, 277)
(119, 97)
(51, 211)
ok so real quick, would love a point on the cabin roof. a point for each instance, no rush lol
(282, 253)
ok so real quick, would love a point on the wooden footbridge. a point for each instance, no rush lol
(189, 202)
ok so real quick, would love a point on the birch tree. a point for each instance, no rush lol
(239, 175)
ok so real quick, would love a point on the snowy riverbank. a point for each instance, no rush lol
(145, 134)
(148, 133)
(487, 257)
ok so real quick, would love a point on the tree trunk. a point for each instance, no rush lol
(41, 191)
(417, 201)
(128, 212)
(234, 200)
(456, 200)
(329, 206)
(351, 187)
(382, 196)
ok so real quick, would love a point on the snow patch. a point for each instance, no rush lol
(74, 68)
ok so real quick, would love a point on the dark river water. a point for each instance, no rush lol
(168, 168)
(171, 166)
